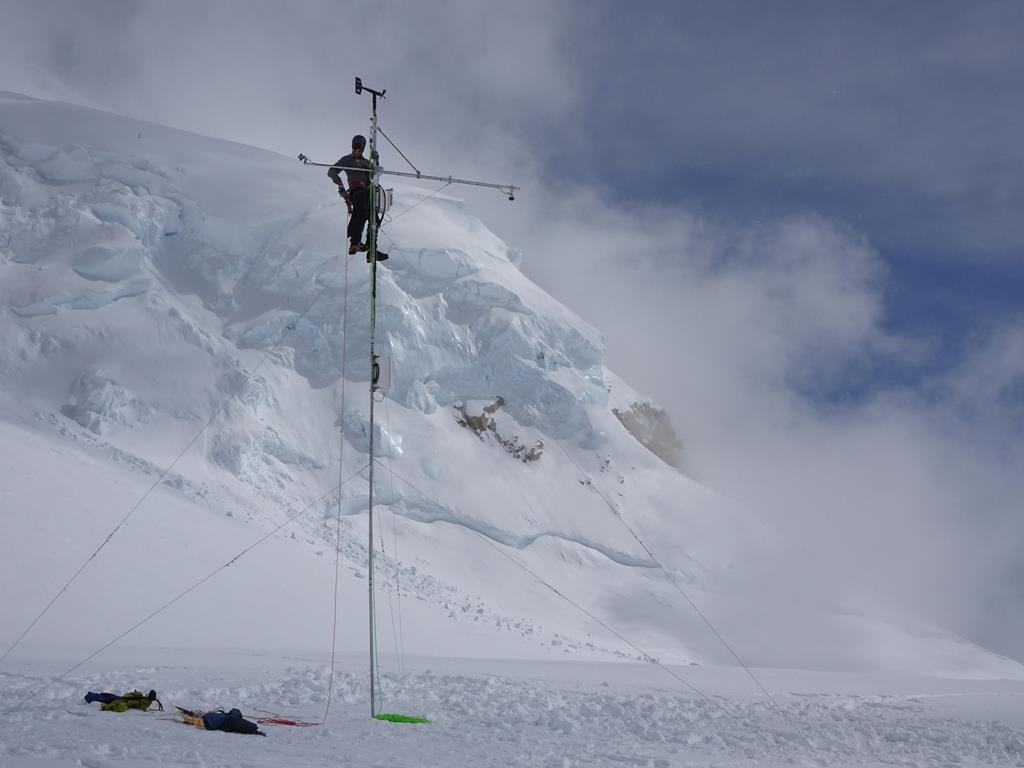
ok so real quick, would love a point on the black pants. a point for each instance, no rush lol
(360, 213)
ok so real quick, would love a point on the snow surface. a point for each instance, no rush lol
(182, 343)
(504, 713)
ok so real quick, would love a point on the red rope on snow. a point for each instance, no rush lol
(275, 719)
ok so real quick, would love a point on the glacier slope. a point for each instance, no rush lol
(154, 281)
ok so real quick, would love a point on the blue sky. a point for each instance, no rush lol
(797, 224)
(901, 120)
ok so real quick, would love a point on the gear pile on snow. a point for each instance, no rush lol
(218, 720)
(111, 702)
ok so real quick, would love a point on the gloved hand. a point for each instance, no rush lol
(346, 197)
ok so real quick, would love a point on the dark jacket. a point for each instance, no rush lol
(355, 178)
(231, 721)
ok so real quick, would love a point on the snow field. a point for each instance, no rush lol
(532, 716)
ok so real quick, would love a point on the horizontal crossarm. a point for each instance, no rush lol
(508, 189)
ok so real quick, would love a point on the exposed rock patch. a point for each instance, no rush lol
(651, 426)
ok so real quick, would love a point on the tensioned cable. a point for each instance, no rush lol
(394, 541)
(665, 571)
(419, 202)
(391, 604)
(387, 588)
(799, 732)
(376, 647)
(337, 523)
(172, 601)
(288, 328)
(381, 132)
(618, 516)
(646, 656)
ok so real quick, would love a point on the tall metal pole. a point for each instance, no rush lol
(372, 251)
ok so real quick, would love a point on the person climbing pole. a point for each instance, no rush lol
(357, 195)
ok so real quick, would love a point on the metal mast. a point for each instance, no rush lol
(375, 366)
(371, 242)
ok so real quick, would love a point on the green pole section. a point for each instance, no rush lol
(372, 252)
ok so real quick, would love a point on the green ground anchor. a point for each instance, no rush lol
(391, 718)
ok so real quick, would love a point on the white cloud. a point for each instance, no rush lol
(902, 498)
